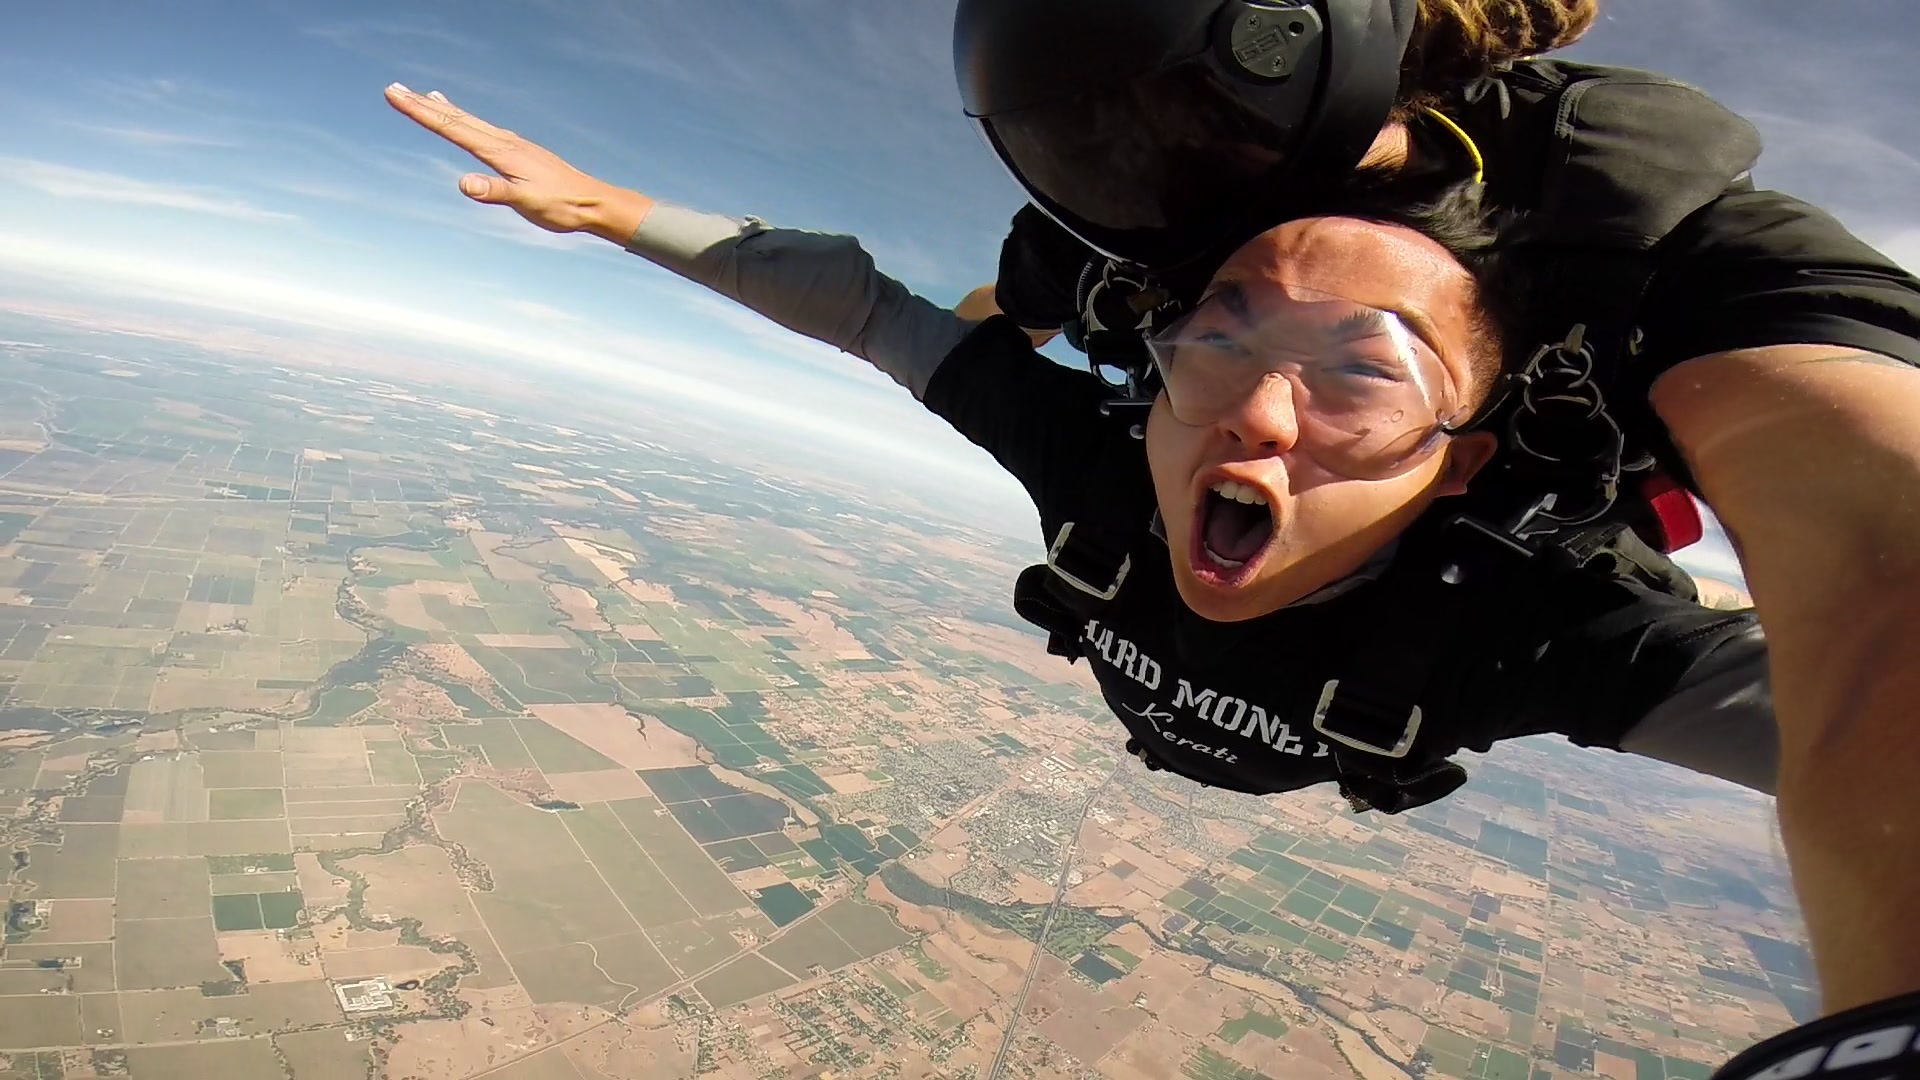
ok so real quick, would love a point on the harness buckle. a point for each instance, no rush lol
(1401, 745)
(1098, 592)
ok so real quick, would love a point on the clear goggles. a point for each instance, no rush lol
(1351, 385)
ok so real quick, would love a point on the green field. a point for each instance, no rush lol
(256, 911)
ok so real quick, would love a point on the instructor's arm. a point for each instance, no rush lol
(1811, 457)
(819, 285)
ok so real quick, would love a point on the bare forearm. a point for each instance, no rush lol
(1812, 459)
(1848, 803)
(617, 214)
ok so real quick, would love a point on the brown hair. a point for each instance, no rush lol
(1457, 41)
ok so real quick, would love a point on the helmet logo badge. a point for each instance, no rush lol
(1267, 39)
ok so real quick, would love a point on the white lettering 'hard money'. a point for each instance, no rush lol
(1123, 654)
(1235, 715)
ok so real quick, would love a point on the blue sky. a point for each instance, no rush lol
(239, 157)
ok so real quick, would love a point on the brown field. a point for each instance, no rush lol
(25, 981)
(204, 838)
(185, 688)
(742, 980)
(100, 1013)
(324, 1054)
(94, 975)
(268, 957)
(419, 881)
(1315, 1054)
(364, 824)
(404, 603)
(169, 1015)
(583, 611)
(317, 884)
(808, 944)
(538, 907)
(759, 877)
(315, 809)
(850, 783)
(166, 789)
(523, 641)
(487, 1037)
(609, 971)
(598, 786)
(645, 1045)
(361, 793)
(345, 768)
(154, 954)
(162, 888)
(321, 843)
(635, 877)
(80, 867)
(617, 735)
(693, 873)
(698, 944)
(549, 1064)
(1088, 1024)
(39, 1020)
(864, 927)
(241, 768)
(235, 1057)
(323, 740)
(397, 962)
(78, 920)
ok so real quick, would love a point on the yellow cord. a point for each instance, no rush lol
(1479, 163)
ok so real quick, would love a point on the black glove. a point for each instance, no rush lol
(1040, 267)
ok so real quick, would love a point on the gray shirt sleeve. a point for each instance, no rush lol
(817, 284)
(1720, 721)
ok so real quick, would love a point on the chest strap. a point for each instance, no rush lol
(1371, 714)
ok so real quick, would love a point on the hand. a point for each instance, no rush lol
(980, 305)
(533, 180)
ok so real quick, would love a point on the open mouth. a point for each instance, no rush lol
(1236, 525)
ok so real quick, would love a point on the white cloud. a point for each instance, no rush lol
(533, 309)
(379, 37)
(730, 384)
(67, 182)
(156, 137)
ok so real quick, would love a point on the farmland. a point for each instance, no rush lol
(351, 723)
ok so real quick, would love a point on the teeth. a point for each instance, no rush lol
(1239, 492)
(1231, 564)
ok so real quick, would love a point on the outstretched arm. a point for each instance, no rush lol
(823, 286)
(1038, 419)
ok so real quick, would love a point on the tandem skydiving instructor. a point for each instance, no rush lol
(1463, 432)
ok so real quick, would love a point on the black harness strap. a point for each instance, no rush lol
(1557, 478)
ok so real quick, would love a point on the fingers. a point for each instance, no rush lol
(486, 189)
(452, 123)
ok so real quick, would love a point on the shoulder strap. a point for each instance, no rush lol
(1085, 568)
(1453, 580)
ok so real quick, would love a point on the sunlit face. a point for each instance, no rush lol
(1320, 523)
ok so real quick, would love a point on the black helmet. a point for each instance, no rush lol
(1154, 130)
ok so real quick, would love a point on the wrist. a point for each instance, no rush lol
(615, 213)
